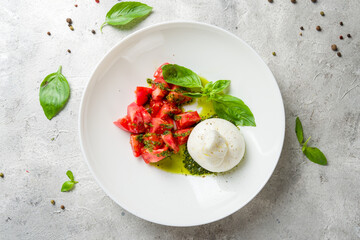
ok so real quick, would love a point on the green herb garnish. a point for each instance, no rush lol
(68, 185)
(124, 12)
(312, 153)
(227, 107)
(54, 93)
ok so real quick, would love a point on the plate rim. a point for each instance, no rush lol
(81, 117)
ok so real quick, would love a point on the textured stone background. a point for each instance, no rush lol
(302, 200)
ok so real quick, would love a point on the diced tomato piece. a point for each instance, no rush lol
(153, 141)
(123, 123)
(170, 141)
(155, 107)
(142, 95)
(168, 109)
(158, 72)
(182, 135)
(136, 144)
(160, 125)
(155, 155)
(135, 114)
(187, 119)
(177, 98)
(146, 116)
(159, 89)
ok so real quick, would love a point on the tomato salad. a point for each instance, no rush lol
(156, 121)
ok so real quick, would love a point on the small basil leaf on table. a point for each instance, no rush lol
(67, 186)
(54, 93)
(181, 76)
(234, 110)
(70, 175)
(220, 85)
(305, 144)
(299, 131)
(315, 155)
(192, 94)
(124, 12)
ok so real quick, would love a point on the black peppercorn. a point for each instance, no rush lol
(301, 28)
(348, 35)
(341, 24)
(62, 207)
(318, 28)
(93, 31)
(341, 37)
(49, 33)
(293, 1)
(339, 54)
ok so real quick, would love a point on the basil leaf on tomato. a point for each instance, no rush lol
(181, 76)
(192, 94)
(124, 12)
(54, 93)
(234, 110)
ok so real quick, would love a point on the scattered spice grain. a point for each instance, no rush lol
(318, 28)
(334, 47)
(322, 13)
(93, 31)
(293, 1)
(71, 28)
(348, 35)
(62, 207)
(341, 24)
(1, 175)
(52, 202)
(49, 33)
(274, 53)
(339, 54)
(270, 1)
(341, 37)
(69, 51)
(69, 21)
(302, 28)
(314, 1)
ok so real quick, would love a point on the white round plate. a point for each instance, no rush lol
(156, 195)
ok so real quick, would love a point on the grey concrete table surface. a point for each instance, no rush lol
(302, 200)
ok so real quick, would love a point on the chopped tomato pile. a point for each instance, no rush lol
(155, 120)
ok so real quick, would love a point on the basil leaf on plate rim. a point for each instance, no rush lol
(124, 12)
(54, 93)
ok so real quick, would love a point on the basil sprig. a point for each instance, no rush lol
(124, 12)
(312, 153)
(68, 185)
(227, 107)
(54, 93)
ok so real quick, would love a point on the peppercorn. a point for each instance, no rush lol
(62, 207)
(300, 34)
(69, 51)
(322, 13)
(274, 53)
(69, 21)
(348, 35)
(1, 175)
(52, 202)
(341, 24)
(314, 1)
(341, 37)
(293, 1)
(339, 54)
(334, 47)
(71, 28)
(318, 28)
(270, 1)
(301, 28)
(49, 33)
(93, 31)
(76, 5)
(97, 1)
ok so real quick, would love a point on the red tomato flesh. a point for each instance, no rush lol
(167, 110)
(177, 98)
(187, 119)
(155, 155)
(123, 123)
(159, 89)
(153, 141)
(142, 95)
(136, 144)
(182, 135)
(158, 72)
(170, 141)
(159, 125)
(155, 107)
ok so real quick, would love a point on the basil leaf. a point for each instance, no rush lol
(315, 155)
(181, 76)
(192, 94)
(124, 12)
(234, 110)
(220, 85)
(67, 186)
(299, 131)
(54, 93)
(70, 175)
